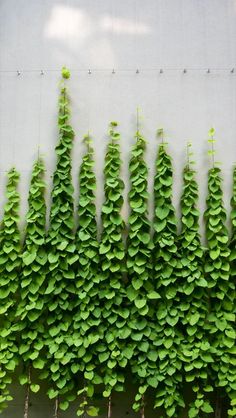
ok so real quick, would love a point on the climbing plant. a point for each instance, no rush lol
(232, 351)
(30, 311)
(194, 349)
(221, 315)
(60, 291)
(143, 299)
(87, 312)
(167, 336)
(9, 272)
(139, 289)
(233, 221)
(112, 257)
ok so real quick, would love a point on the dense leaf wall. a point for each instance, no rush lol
(143, 299)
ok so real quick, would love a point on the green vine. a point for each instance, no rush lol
(194, 350)
(231, 353)
(112, 257)
(221, 314)
(233, 214)
(31, 305)
(61, 287)
(139, 289)
(166, 263)
(87, 313)
(9, 271)
(87, 316)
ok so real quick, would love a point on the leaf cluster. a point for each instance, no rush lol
(221, 314)
(194, 350)
(10, 264)
(112, 267)
(167, 336)
(31, 307)
(139, 289)
(60, 275)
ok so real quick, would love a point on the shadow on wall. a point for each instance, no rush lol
(109, 33)
(93, 31)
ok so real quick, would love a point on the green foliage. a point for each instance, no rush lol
(9, 272)
(112, 257)
(87, 312)
(65, 73)
(231, 388)
(167, 336)
(84, 312)
(194, 350)
(139, 289)
(60, 278)
(31, 305)
(221, 315)
(233, 224)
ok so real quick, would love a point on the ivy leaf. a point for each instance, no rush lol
(144, 237)
(162, 212)
(34, 388)
(92, 411)
(28, 258)
(194, 318)
(230, 333)
(140, 303)
(206, 407)
(64, 405)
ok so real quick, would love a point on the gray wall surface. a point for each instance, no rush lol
(125, 35)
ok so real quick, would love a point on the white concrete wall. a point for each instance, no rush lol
(125, 35)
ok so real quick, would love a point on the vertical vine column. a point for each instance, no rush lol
(221, 284)
(195, 349)
(112, 258)
(139, 268)
(30, 311)
(232, 315)
(61, 289)
(87, 312)
(167, 336)
(10, 263)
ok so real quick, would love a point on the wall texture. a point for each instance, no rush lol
(43, 35)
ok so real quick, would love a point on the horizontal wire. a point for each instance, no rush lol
(114, 70)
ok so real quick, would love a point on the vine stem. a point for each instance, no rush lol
(84, 399)
(27, 394)
(160, 134)
(109, 408)
(143, 408)
(218, 406)
(213, 157)
(56, 407)
(88, 141)
(137, 119)
(188, 155)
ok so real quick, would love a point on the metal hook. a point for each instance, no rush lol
(208, 71)
(184, 70)
(113, 71)
(41, 72)
(232, 71)
(89, 71)
(161, 71)
(137, 71)
(18, 72)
